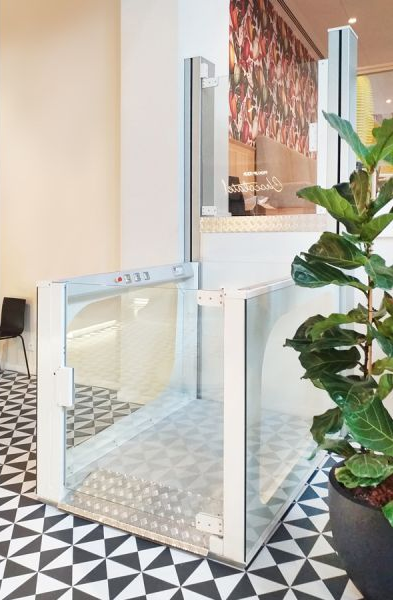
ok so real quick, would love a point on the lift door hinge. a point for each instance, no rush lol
(210, 298)
(209, 524)
(64, 378)
(209, 82)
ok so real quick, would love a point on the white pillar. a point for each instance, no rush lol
(150, 108)
(343, 45)
(156, 38)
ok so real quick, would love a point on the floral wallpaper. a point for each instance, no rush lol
(273, 78)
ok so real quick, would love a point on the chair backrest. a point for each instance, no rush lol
(13, 315)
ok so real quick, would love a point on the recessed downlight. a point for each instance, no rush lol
(352, 20)
(389, 101)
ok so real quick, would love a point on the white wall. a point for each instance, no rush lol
(156, 38)
(59, 146)
(150, 150)
(204, 31)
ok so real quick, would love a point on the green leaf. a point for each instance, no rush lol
(383, 149)
(337, 251)
(328, 361)
(344, 476)
(337, 206)
(350, 481)
(313, 275)
(330, 421)
(336, 446)
(388, 511)
(349, 393)
(337, 337)
(353, 238)
(385, 386)
(371, 426)
(388, 303)
(386, 327)
(302, 339)
(344, 189)
(381, 275)
(369, 465)
(369, 231)
(384, 364)
(354, 316)
(384, 335)
(384, 342)
(385, 195)
(360, 186)
(346, 132)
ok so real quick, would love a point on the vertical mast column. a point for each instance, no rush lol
(342, 72)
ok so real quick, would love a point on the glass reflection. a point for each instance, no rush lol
(273, 101)
(374, 104)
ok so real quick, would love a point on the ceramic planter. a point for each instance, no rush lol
(363, 539)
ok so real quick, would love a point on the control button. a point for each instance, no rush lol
(137, 277)
(146, 275)
(178, 270)
(119, 279)
(127, 278)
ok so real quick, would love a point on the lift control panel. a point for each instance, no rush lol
(103, 283)
(154, 275)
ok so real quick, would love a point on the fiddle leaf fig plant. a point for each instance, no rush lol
(337, 351)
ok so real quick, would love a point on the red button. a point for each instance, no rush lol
(119, 279)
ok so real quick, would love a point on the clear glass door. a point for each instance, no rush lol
(144, 437)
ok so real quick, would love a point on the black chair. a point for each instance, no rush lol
(13, 322)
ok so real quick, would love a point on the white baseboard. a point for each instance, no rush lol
(21, 368)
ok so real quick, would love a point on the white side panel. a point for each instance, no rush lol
(341, 100)
(322, 125)
(50, 416)
(349, 63)
(234, 429)
(233, 260)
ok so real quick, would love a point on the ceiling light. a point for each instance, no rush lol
(352, 20)
(389, 101)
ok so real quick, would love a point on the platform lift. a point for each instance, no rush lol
(161, 409)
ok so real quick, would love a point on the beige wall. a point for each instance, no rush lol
(59, 144)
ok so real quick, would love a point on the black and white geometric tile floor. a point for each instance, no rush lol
(49, 555)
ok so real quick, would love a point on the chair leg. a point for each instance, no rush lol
(24, 350)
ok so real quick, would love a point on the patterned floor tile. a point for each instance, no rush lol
(49, 555)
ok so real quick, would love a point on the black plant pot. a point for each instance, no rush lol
(363, 539)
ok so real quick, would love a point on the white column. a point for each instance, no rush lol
(341, 100)
(150, 109)
(156, 38)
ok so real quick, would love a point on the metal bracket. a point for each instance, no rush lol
(64, 381)
(209, 82)
(216, 545)
(209, 211)
(210, 298)
(209, 524)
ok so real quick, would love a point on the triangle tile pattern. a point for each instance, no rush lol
(95, 409)
(50, 555)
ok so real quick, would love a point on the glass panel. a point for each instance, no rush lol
(256, 150)
(280, 405)
(144, 438)
(375, 103)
